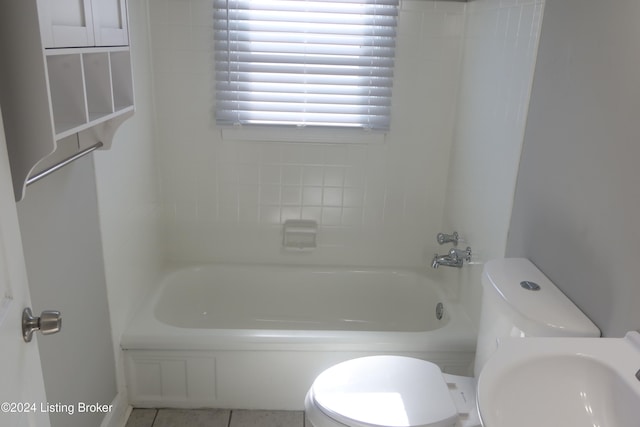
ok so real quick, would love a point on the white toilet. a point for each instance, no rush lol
(394, 391)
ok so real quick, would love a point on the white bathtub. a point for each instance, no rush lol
(255, 337)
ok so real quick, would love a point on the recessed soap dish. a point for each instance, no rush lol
(299, 234)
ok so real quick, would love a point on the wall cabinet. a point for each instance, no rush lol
(56, 99)
(83, 23)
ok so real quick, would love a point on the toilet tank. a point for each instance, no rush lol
(518, 300)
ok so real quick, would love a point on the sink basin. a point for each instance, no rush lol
(568, 382)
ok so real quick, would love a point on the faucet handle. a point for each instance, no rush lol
(448, 238)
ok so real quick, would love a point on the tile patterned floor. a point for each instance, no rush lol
(214, 418)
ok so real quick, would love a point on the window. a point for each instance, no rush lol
(305, 62)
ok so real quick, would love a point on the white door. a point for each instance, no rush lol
(21, 385)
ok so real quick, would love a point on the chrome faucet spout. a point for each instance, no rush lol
(446, 260)
(455, 258)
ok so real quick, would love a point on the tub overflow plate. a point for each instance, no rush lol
(439, 311)
(530, 286)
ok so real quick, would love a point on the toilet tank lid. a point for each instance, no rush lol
(531, 294)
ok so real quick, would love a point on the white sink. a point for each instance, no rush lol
(568, 382)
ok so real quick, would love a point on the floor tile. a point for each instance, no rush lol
(242, 418)
(192, 418)
(141, 418)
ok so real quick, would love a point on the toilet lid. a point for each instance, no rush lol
(392, 391)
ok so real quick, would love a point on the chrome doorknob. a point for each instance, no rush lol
(49, 322)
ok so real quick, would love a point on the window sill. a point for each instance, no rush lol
(313, 135)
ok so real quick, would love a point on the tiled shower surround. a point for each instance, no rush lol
(378, 202)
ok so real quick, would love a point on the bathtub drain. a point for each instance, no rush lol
(439, 311)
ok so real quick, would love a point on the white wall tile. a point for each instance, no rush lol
(270, 194)
(158, 11)
(334, 176)
(201, 12)
(312, 196)
(331, 215)
(499, 58)
(332, 196)
(290, 212)
(313, 175)
(292, 195)
(270, 174)
(291, 175)
(268, 215)
(179, 12)
(312, 212)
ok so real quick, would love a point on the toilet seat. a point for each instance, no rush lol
(391, 391)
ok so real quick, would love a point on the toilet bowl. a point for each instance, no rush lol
(395, 391)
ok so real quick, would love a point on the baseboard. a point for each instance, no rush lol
(119, 413)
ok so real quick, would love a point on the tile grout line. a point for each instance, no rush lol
(230, 416)
(154, 417)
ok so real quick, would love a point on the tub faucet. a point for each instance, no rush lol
(455, 258)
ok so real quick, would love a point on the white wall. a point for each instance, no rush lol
(577, 200)
(500, 47)
(377, 204)
(127, 196)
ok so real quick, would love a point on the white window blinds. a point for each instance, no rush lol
(305, 62)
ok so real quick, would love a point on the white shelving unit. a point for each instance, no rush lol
(88, 87)
(60, 91)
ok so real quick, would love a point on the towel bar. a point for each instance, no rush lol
(63, 163)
